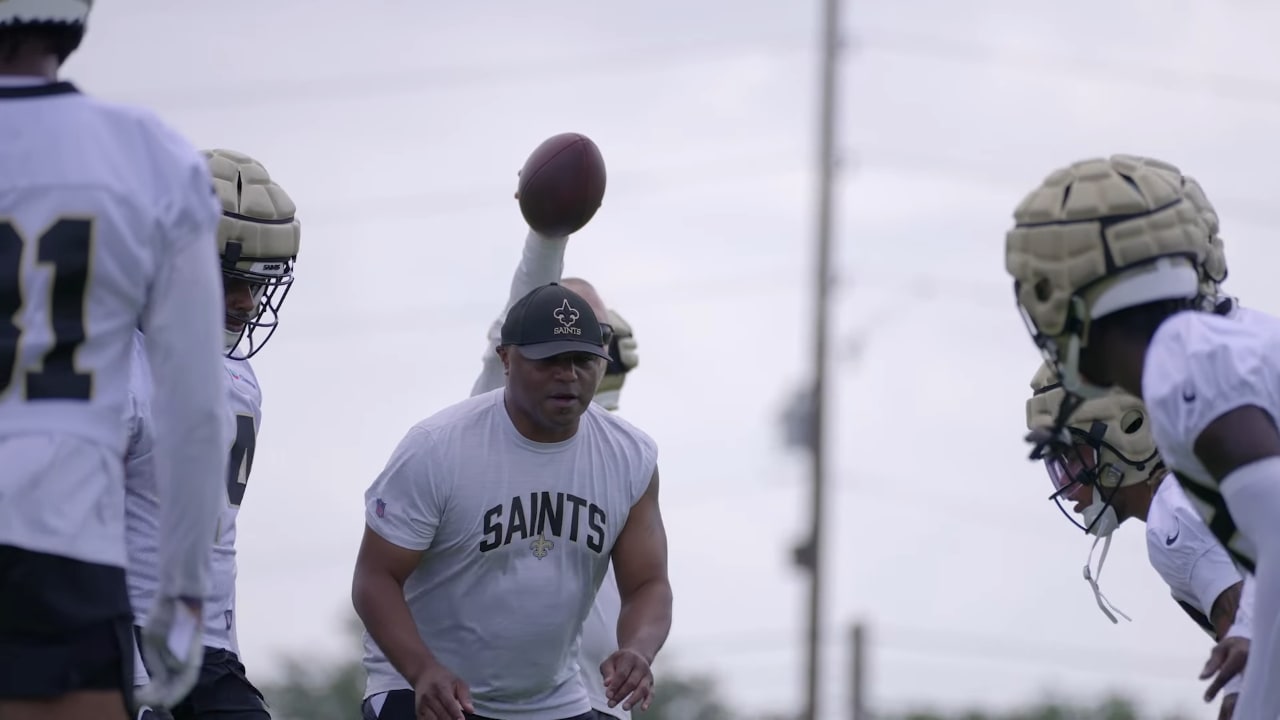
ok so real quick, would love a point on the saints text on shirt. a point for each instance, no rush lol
(544, 518)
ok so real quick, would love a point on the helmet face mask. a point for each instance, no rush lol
(1107, 446)
(258, 241)
(1077, 469)
(1073, 471)
(268, 282)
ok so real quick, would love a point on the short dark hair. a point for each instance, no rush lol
(58, 38)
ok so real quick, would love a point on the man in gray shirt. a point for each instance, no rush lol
(491, 528)
(542, 262)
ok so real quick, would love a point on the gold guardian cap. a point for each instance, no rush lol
(258, 241)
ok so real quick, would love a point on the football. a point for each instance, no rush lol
(561, 184)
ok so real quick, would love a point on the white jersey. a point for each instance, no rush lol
(1199, 367)
(107, 224)
(1189, 558)
(142, 504)
(542, 262)
(516, 537)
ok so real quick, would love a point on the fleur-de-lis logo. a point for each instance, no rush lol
(541, 546)
(566, 314)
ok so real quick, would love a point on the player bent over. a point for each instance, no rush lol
(1112, 472)
(106, 216)
(1108, 257)
(258, 240)
(490, 530)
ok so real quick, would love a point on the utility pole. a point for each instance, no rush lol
(812, 555)
(858, 672)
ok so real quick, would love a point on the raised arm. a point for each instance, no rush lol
(542, 262)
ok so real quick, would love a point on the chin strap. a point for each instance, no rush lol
(1092, 578)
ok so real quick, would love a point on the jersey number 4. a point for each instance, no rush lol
(241, 459)
(66, 247)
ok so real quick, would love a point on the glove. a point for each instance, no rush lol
(623, 358)
(171, 645)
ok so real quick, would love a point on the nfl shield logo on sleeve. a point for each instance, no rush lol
(380, 508)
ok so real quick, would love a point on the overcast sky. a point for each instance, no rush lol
(398, 127)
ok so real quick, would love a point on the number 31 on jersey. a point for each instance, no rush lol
(66, 248)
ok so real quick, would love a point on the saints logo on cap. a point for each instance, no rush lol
(552, 320)
(567, 315)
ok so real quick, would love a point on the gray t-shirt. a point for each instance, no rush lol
(516, 538)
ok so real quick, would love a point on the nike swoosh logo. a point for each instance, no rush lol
(1172, 538)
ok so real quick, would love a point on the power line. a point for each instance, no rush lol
(917, 288)
(978, 171)
(631, 182)
(962, 645)
(736, 167)
(391, 82)
(1025, 526)
(1029, 521)
(386, 82)
(1132, 71)
(951, 645)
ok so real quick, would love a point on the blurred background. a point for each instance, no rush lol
(398, 126)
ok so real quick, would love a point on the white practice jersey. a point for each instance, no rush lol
(142, 505)
(107, 224)
(516, 537)
(542, 262)
(1189, 558)
(1199, 367)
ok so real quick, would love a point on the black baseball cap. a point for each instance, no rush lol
(551, 320)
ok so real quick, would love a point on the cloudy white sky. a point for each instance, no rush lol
(398, 127)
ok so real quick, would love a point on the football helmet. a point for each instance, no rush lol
(258, 241)
(1214, 270)
(1110, 446)
(623, 358)
(1097, 237)
(74, 14)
